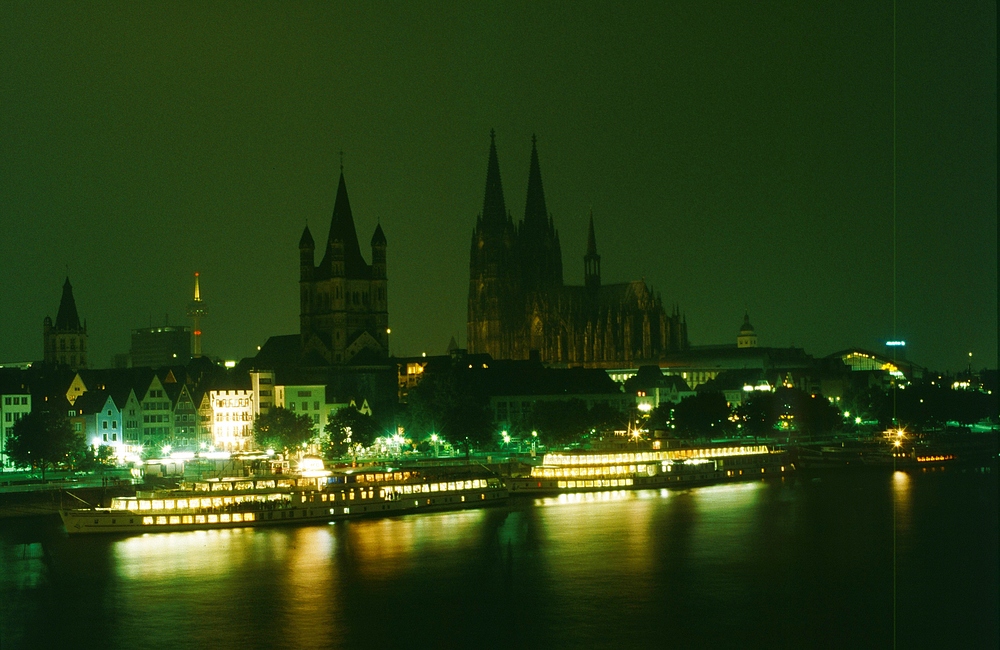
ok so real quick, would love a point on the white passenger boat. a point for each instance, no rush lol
(283, 499)
(630, 470)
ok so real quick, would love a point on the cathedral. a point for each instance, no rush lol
(344, 314)
(519, 307)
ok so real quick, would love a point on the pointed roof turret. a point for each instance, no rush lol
(378, 238)
(67, 318)
(591, 239)
(534, 207)
(306, 241)
(494, 207)
(342, 230)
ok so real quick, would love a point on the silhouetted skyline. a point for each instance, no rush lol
(737, 157)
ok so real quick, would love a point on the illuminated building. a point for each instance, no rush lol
(343, 301)
(15, 403)
(65, 342)
(232, 419)
(519, 307)
(101, 420)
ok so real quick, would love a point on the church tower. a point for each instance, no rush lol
(66, 341)
(493, 286)
(747, 338)
(343, 301)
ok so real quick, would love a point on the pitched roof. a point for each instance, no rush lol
(67, 318)
(342, 230)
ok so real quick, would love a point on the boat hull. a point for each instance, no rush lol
(106, 521)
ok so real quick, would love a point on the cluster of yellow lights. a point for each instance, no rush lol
(427, 488)
(561, 460)
(224, 518)
(613, 482)
(932, 459)
(139, 505)
(588, 471)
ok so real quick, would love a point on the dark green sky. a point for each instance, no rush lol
(735, 154)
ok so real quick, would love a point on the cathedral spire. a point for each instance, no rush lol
(494, 208)
(535, 213)
(591, 260)
(591, 239)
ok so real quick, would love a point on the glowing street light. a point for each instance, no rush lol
(435, 439)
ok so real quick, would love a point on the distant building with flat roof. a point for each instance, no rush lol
(156, 347)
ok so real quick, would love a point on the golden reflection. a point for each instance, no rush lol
(901, 498)
(583, 521)
(311, 580)
(385, 546)
(203, 553)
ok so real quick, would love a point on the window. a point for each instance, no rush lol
(315, 406)
(105, 435)
(114, 424)
(6, 401)
(305, 406)
(104, 426)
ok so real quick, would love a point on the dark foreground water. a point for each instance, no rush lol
(805, 562)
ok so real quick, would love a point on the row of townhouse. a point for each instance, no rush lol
(144, 411)
(135, 411)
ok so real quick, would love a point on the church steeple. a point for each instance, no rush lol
(66, 341)
(344, 237)
(534, 208)
(537, 239)
(494, 208)
(591, 260)
(67, 319)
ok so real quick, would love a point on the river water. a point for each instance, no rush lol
(806, 561)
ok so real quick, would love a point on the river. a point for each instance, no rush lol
(807, 561)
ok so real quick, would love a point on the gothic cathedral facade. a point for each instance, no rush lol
(344, 314)
(519, 307)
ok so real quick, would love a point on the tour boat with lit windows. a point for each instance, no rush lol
(636, 470)
(312, 496)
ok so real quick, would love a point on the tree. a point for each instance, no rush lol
(44, 439)
(282, 429)
(565, 422)
(349, 427)
(452, 404)
(759, 413)
(705, 413)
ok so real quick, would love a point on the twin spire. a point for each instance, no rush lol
(535, 241)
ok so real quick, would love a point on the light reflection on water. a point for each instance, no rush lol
(766, 561)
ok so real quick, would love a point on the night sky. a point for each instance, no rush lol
(736, 155)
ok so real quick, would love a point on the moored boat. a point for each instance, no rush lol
(317, 496)
(616, 470)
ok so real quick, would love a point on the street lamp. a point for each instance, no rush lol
(534, 439)
(434, 439)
